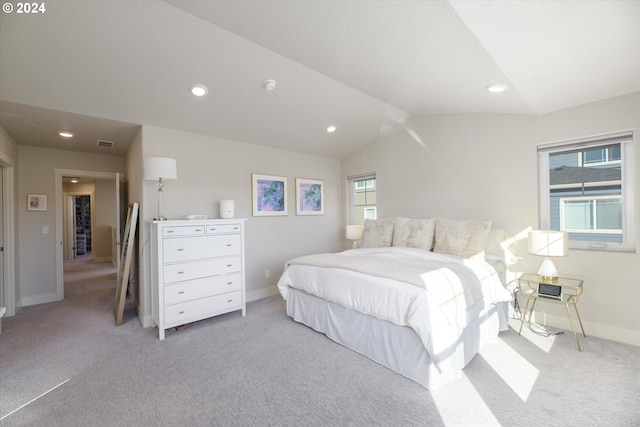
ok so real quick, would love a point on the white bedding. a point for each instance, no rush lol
(454, 291)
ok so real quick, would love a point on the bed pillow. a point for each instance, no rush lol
(377, 233)
(414, 233)
(463, 238)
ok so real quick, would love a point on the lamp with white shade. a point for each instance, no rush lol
(160, 169)
(548, 243)
(354, 232)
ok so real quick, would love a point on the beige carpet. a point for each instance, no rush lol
(66, 364)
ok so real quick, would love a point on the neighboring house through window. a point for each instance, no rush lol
(361, 192)
(586, 189)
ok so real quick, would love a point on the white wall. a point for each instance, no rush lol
(485, 166)
(36, 258)
(212, 169)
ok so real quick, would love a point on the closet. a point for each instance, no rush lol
(83, 224)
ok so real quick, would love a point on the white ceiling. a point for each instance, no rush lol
(102, 68)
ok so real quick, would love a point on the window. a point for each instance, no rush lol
(361, 199)
(586, 189)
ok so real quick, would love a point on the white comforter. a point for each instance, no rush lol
(436, 295)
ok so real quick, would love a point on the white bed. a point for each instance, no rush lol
(421, 313)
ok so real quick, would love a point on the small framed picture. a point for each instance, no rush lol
(269, 195)
(309, 196)
(37, 202)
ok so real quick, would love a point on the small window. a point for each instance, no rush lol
(362, 199)
(586, 189)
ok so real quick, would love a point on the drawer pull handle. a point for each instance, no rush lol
(229, 244)
(230, 300)
(229, 283)
(236, 228)
(182, 312)
(213, 229)
(180, 249)
(198, 229)
(181, 292)
(229, 265)
(180, 272)
(169, 231)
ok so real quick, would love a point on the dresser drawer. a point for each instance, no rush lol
(183, 230)
(199, 269)
(200, 288)
(222, 228)
(192, 248)
(188, 311)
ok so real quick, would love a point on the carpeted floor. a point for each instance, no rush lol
(66, 364)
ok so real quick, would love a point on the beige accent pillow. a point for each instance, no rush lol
(414, 233)
(377, 233)
(463, 238)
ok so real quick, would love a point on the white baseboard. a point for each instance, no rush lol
(598, 330)
(38, 299)
(262, 293)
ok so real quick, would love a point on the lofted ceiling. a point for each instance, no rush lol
(101, 68)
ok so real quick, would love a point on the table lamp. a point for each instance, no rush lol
(160, 169)
(354, 232)
(548, 243)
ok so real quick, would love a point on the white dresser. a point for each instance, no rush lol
(198, 270)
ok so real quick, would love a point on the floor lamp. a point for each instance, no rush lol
(160, 169)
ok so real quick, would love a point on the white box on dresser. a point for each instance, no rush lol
(198, 270)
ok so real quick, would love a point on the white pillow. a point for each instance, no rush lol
(463, 238)
(414, 233)
(377, 233)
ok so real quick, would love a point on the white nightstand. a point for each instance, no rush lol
(571, 289)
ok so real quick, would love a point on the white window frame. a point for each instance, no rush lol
(625, 138)
(351, 211)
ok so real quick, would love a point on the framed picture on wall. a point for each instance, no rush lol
(309, 196)
(269, 195)
(37, 202)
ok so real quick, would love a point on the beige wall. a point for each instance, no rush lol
(212, 169)
(36, 256)
(485, 166)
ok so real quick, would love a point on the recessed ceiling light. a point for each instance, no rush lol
(74, 180)
(496, 88)
(65, 134)
(199, 90)
(331, 129)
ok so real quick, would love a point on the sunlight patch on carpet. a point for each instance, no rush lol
(515, 370)
(447, 400)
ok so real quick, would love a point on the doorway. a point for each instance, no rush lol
(87, 223)
(78, 226)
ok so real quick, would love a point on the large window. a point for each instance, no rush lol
(361, 198)
(586, 189)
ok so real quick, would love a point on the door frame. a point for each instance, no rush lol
(58, 175)
(8, 226)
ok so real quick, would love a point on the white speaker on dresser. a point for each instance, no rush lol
(226, 209)
(198, 270)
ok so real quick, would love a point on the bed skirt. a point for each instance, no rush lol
(395, 347)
